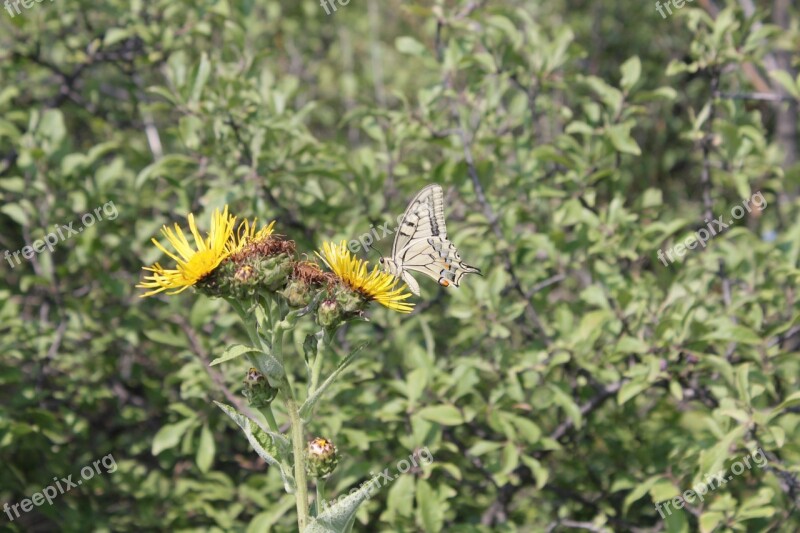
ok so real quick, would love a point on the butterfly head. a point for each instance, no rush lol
(388, 265)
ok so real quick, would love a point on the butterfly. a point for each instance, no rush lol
(421, 244)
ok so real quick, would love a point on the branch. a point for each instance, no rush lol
(213, 373)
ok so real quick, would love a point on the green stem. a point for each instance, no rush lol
(298, 446)
(246, 322)
(271, 422)
(316, 368)
(298, 435)
(320, 495)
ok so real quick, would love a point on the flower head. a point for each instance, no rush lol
(246, 234)
(322, 457)
(374, 286)
(257, 389)
(192, 263)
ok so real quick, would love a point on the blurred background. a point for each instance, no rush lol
(578, 383)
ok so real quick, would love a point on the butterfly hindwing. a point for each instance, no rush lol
(424, 217)
(437, 258)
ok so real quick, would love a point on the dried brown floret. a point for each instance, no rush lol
(310, 272)
(274, 245)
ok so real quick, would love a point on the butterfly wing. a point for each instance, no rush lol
(421, 244)
(437, 258)
(412, 284)
(424, 217)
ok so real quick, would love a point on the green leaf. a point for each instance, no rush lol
(232, 352)
(631, 71)
(310, 346)
(271, 447)
(265, 520)
(631, 389)
(628, 345)
(506, 27)
(430, 514)
(335, 519)
(710, 520)
(785, 80)
(15, 213)
(620, 135)
(742, 382)
(115, 35)
(565, 401)
(311, 401)
(734, 333)
(400, 499)
(540, 473)
(205, 450)
(166, 337)
(203, 70)
(640, 490)
(170, 435)
(792, 400)
(173, 166)
(410, 46)
(713, 459)
(447, 415)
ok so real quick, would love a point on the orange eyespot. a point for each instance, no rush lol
(444, 283)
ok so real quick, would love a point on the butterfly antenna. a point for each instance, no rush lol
(370, 248)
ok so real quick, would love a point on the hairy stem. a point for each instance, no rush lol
(298, 446)
(271, 422)
(316, 368)
(298, 435)
(320, 495)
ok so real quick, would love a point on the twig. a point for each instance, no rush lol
(530, 312)
(498, 510)
(767, 97)
(213, 373)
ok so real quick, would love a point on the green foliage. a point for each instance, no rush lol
(575, 385)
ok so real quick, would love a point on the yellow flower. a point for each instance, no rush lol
(376, 285)
(192, 264)
(247, 234)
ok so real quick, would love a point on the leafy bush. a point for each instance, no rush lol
(579, 383)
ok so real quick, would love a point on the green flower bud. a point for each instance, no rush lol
(329, 313)
(243, 278)
(257, 389)
(274, 271)
(297, 294)
(321, 457)
(350, 301)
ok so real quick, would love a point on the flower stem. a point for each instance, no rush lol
(316, 368)
(298, 446)
(271, 422)
(298, 435)
(320, 495)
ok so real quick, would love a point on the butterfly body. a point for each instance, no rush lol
(421, 244)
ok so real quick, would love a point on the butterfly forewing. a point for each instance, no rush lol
(424, 217)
